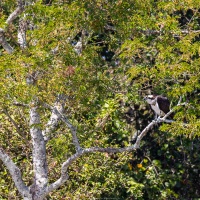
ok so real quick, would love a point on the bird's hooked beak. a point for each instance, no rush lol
(145, 98)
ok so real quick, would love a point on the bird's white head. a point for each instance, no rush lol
(150, 99)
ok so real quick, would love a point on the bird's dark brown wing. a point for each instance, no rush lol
(163, 103)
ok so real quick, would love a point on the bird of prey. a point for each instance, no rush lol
(78, 47)
(159, 104)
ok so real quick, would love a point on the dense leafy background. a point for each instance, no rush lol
(130, 49)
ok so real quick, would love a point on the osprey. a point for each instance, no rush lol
(159, 104)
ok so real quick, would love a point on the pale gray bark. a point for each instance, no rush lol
(57, 114)
(4, 43)
(53, 121)
(39, 151)
(21, 30)
(15, 174)
(11, 17)
(40, 188)
(73, 132)
(159, 32)
(21, 35)
(71, 127)
(16, 12)
(64, 175)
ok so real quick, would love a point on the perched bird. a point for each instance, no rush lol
(78, 47)
(159, 104)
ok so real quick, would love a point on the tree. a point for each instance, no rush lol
(70, 69)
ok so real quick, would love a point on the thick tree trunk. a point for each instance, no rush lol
(39, 155)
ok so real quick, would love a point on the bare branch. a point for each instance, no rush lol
(180, 99)
(64, 175)
(39, 149)
(69, 161)
(39, 154)
(15, 174)
(51, 125)
(72, 129)
(57, 183)
(4, 43)
(159, 32)
(189, 31)
(56, 116)
(11, 18)
(164, 118)
(15, 103)
(16, 126)
(16, 12)
(21, 35)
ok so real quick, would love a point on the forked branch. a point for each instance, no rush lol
(16, 12)
(15, 173)
(71, 127)
(10, 19)
(70, 160)
(39, 154)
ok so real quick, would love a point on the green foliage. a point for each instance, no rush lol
(156, 49)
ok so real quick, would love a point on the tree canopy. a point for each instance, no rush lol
(75, 73)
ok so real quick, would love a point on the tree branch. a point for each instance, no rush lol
(72, 129)
(39, 150)
(21, 35)
(55, 117)
(159, 32)
(16, 126)
(164, 118)
(4, 43)
(51, 125)
(64, 175)
(15, 174)
(11, 18)
(15, 103)
(16, 12)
